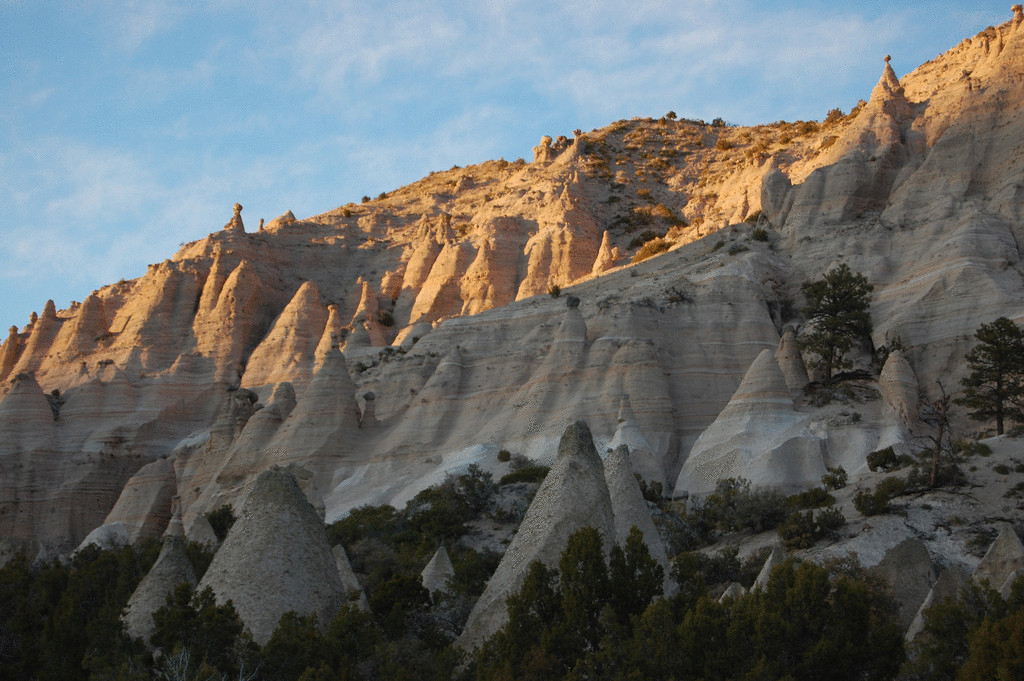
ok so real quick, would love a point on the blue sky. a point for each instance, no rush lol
(127, 128)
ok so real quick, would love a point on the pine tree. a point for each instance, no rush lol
(995, 387)
(837, 316)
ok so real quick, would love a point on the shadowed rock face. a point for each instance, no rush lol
(276, 558)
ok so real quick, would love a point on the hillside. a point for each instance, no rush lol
(383, 344)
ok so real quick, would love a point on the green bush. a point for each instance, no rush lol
(812, 498)
(886, 460)
(221, 519)
(877, 502)
(642, 238)
(835, 478)
(555, 291)
(760, 234)
(504, 455)
(802, 529)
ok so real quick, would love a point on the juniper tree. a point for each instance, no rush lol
(837, 316)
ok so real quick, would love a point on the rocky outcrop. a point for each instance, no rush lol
(12, 348)
(775, 558)
(233, 327)
(791, 362)
(907, 568)
(144, 506)
(288, 351)
(573, 495)
(758, 436)
(949, 585)
(1004, 557)
(436, 574)
(276, 559)
(172, 567)
(353, 589)
(606, 255)
(899, 389)
(629, 507)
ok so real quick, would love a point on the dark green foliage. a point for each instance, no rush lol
(555, 291)
(211, 633)
(837, 316)
(525, 474)
(221, 520)
(760, 234)
(61, 621)
(815, 497)
(995, 387)
(559, 617)
(886, 460)
(504, 455)
(953, 633)
(810, 623)
(835, 478)
(877, 501)
(803, 530)
(735, 507)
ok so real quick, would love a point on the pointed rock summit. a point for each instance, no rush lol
(276, 558)
(437, 572)
(629, 507)
(574, 495)
(1003, 558)
(171, 568)
(791, 362)
(758, 436)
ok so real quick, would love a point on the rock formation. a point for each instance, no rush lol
(573, 495)
(758, 436)
(353, 589)
(437, 572)
(172, 567)
(1004, 557)
(276, 559)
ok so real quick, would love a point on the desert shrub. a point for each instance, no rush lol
(385, 318)
(734, 506)
(221, 519)
(971, 448)
(718, 245)
(1001, 469)
(642, 238)
(555, 291)
(651, 249)
(812, 498)
(760, 234)
(737, 248)
(887, 460)
(525, 474)
(504, 455)
(723, 144)
(366, 199)
(753, 218)
(802, 529)
(835, 478)
(877, 502)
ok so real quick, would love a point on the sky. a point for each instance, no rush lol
(128, 128)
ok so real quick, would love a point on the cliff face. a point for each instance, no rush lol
(225, 358)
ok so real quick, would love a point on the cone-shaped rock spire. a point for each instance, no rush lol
(276, 558)
(574, 495)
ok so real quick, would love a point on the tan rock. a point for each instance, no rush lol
(629, 507)
(12, 349)
(288, 351)
(232, 329)
(898, 385)
(605, 257)
(791, 362)
(144, 505)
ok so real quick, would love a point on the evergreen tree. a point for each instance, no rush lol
(837, 316)
(995, 387)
